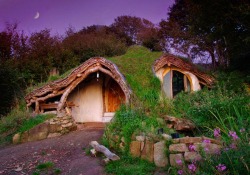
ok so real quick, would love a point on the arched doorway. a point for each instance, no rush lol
(96, 98)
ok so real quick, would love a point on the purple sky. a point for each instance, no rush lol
(58, 15)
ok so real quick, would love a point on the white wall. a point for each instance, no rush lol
(88, 97)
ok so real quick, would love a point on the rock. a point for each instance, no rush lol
(160, 158)
(176, 140)
(122, 146)
(180, 147)
(148, 151)
(73, 127)
(211, 148)
(179, 124)
(67, 125)
(192, 156)
(24, 137)
(191, 140)
(105, 161)
(16, 138)
(55, 128)
(65, 121)
(56, 134)
(123, 139)
(39, 132)
(66, 117)
(140, 138)
(135, 148)
(176, 157)
(218, 142)
(197, 147)
(166, 136)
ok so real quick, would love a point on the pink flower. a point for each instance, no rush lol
(221, 167)
(217, 132)
(233, 135)
(179, 162)
(191, 147)
(180, 172)
(233, 146)
(206, 141)
(192, 167)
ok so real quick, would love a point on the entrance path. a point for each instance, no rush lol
(66, 152)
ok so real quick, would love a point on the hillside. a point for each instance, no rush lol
(223, 108)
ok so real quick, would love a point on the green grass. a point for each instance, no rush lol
(130, 166)
(30, 123)
(18, 120)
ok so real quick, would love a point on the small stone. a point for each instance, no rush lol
(192, 156)
(190, 140)
(211, 148)
(148, 151)
(123, 139)
(65, 121)
(166, 136)
(140, 138)
(16, 138)
(173, 158)
(105, 161)
(135, 148)
(160, 158)
(197, 146)
(180, 147)
(55, 128)
(176, 140)
(218, 142)
(67, 125)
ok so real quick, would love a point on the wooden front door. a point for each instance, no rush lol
(115, 96)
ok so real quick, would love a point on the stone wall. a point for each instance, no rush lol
(51, 128)
(185, 149)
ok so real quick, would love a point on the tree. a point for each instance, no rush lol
(214, 28)
(135, 30)
(94, 41)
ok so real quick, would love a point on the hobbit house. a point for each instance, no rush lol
(92, 92)
(177, 75)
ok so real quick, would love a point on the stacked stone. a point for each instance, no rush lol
(185, 149)
(150, 149)
(180, 149)
(51, 128)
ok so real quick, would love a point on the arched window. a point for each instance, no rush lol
(174, 82)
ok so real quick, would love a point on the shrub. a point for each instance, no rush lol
(229, 92)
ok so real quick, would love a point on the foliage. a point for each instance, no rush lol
(143, 116)
(11, 123)
(135, 30)
(10, 81)
(132, 166)
(229, 92)
(233, 131)
(31, 122)
(18, 120)
(47, 168)
(219, 29)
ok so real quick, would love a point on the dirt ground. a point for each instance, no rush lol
(66, 152)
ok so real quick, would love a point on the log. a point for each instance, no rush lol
(104, 150)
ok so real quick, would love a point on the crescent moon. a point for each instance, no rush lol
(37, 15)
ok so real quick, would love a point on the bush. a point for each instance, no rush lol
(228, 93)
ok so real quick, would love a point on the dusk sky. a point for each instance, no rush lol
(58, 15)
